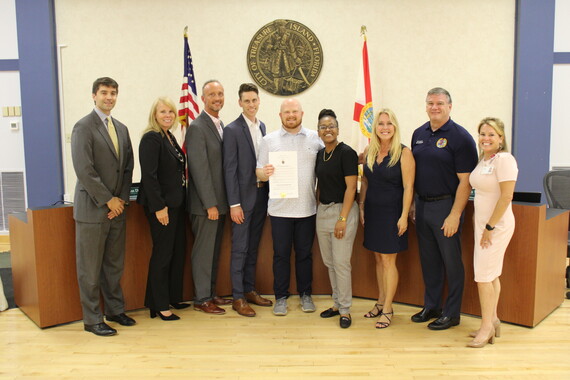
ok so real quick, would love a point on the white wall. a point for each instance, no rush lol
(8, 34)
(562, 26)
(465, 46)
(11, 142)
(560, 126)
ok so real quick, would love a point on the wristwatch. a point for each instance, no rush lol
(341, 219)
(489, 228)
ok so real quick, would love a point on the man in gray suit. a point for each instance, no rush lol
(103, 161)
(247, 198)
(207, 202)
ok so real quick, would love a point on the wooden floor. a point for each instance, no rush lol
(299, 345)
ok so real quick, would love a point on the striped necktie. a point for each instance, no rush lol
(113, 134)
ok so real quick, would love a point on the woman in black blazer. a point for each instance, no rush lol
(162, 193)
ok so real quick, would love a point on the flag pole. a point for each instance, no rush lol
(188, 105)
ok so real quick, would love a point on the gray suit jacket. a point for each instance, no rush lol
(206, 186)
(240, 163)
(101, 175)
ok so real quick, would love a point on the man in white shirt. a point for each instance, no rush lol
(292, 219)
(247, 198)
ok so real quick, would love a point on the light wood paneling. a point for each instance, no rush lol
(4, 243)
(297, 346)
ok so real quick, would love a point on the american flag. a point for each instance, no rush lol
(188, 109)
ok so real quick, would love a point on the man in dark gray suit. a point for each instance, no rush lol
(103, 161)
(207, 202)
(247, 198)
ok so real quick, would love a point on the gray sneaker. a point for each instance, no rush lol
(307, 304)
(280, 307)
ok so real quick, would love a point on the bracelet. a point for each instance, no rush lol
(341, 219)
(489, 228)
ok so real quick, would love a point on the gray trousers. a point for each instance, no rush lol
(336, 253)
(205, 255)
(100, 257)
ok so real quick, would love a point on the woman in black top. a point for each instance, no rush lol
(337, 213)
(162, 193)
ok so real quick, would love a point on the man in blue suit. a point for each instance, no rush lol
(247, 198)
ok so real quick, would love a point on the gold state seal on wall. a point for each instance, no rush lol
(285, 57)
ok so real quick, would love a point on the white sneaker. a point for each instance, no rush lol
(307, 304)
(280, 307)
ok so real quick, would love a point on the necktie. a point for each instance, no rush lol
(113, 134)
(219, 125)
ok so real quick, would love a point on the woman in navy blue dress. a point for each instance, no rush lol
(385, 198)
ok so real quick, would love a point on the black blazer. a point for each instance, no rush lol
(161, 173)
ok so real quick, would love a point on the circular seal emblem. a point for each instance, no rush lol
(441, 143)
(284, 57)
(366, 119)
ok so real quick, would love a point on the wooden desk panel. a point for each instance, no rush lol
(43, 266)
(45, 280)
(551, 265)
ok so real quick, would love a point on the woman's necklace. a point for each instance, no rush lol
(325, 159)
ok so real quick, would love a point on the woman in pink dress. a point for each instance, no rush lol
(494, 181)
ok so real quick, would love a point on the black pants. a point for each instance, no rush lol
(166, 266)
(288, 233)
(440, 256)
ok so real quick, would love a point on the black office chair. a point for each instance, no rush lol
(557, 189)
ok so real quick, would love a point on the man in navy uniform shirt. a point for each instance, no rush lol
(445, 155)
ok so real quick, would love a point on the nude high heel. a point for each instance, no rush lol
(491, 340)
(496, 325)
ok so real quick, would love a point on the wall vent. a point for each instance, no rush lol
(12, 196)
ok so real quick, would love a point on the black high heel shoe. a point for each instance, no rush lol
(180, 305)
(171, 317)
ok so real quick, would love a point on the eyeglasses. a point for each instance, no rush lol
(325, 127)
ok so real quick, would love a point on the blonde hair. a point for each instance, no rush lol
(395, 145)
(152, 123)
(499, 127)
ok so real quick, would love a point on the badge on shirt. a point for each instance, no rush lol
(487, 169)
(441, 143)
(419, 142)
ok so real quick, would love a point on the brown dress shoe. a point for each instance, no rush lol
(256, 299)
(221, 301)
(209, 307)
(243, 308)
